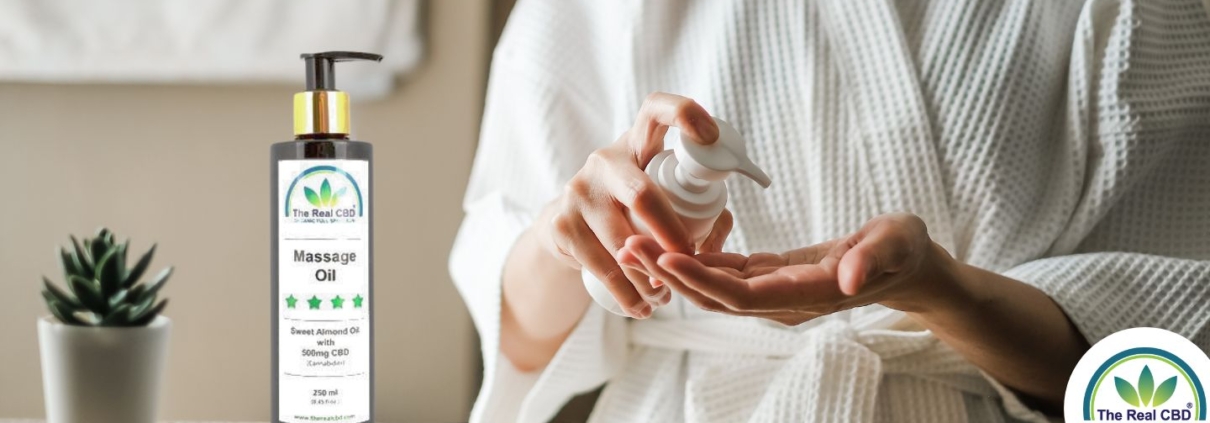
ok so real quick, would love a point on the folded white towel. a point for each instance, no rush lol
(171, 41)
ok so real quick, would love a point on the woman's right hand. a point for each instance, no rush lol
(588, 224)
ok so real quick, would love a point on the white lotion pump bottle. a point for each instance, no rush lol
(691, 176)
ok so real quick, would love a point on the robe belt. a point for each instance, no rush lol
(833, 366)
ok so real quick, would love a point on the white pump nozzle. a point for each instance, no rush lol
(716, 161)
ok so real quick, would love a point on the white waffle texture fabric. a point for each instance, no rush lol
(1062, 143)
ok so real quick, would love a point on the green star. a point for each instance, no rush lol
(290, 301)
(357, 301)
(314, 302)
(338, 302)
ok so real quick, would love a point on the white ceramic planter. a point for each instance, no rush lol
(102, 375)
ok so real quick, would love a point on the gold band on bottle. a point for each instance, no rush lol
(321, 112)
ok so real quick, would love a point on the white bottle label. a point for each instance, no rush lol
(323, 291)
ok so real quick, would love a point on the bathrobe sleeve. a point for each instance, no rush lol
(545, 112)
(1136, 250)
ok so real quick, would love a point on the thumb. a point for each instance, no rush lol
(857, 266)
(882, 247)
(661, 111)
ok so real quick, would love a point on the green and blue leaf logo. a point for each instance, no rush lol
(1144, 393)
(325, 197)
(332, 195)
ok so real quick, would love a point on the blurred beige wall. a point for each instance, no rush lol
(187, 167)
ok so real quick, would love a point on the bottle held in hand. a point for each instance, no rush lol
(692, 176)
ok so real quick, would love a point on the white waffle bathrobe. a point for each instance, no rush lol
(1062, 143)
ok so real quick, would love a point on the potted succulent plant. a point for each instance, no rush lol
(103, 351)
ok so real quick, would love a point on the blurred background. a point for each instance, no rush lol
(172, 155)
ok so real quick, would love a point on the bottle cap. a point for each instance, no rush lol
(716, 161)
(321, 109)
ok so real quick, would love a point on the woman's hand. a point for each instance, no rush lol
(997, 323)
(891, 260)
(588, 224)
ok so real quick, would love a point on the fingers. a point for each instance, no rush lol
(611, 195)
(611, 228)
(798, 285)
(811, 255)
(718, 234)
(799, 288)
(713, 281)
(562, 235)
(648, 252)
(592, 221)
(720, 286)
(661, 111)
(645, 252)
(581, 247)
(658, 294)
(612, 182)
(631, 188)
(724, 260)
(597, 260)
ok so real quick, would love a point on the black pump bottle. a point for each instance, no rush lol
(321, 260)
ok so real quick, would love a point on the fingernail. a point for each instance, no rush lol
(706, 129)
(656, 283)
(643, 312)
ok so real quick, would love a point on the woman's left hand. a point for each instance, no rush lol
(891, 261)
(995, 322)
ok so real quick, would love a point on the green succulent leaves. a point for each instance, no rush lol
(1146, 394)
(325, 197)
(104, 292)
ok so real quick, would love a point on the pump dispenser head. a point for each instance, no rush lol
(716, 161)
(692, 175)
(322, 109)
